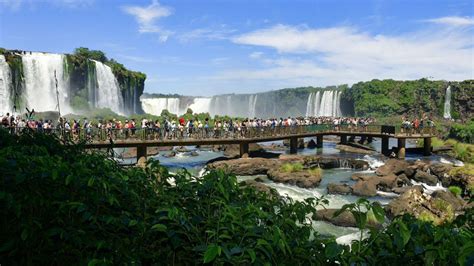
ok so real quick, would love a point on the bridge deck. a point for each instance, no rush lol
(124, 143)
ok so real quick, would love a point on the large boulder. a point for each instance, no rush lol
(392, 166)
(387, 182)
(365, 188)
(233, 150)
(311, 144)
(304, 178)
(457, 203)
(401, 190)
(421, 206)
(403, 180)
(338, 188)
(361, 176)
(352, 149)
(245, 166)
(345, 219)
(426, 178)
(441, 170)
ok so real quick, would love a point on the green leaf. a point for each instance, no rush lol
(90, 183)
(132, 223)
(252, 255)
(378, 211)
(211, 253)
(159, 227)
(24, 234)
(69, 179)
(332, 249)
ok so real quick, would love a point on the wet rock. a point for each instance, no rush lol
(392, 166)
(426, 178)
(303, 178)
(441, 171)
(311, 144)
(387, 182)
(182, 149)
(403, 180)
(246, 166)
(345, 219)
(457, 203)
(421, 206)
(410, 171)
(401, 190)
(351, 149)
(170, 154)
(194, 153)
(337, 188)
(365, 188)
(361, 176)
(359, 164)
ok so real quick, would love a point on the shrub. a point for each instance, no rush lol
(316, 171)
(457, 191)
(291, 167)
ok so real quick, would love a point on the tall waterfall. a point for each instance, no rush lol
(5, 82)
(108, 94)
(326, 105)
(252, 105)
(447, 103)
(156, 105)
(40, 84)
(201, 105)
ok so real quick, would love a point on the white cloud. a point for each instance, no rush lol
(16, 4)
(148, 16)
(220, 33)
(256, 55)
(345, 55)
(453, 21)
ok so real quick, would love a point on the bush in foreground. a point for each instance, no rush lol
(62, 205)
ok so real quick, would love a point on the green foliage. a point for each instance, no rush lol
(463, 132)
(291, 167)
(316, 171)
(62, 204)
(457, 191)
(90, 54)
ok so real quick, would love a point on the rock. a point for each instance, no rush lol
(402, 180)
(142, 162)
(365, 188)
(194, 153)
(426, 178)
(361, 176)
(401, 190)
(170, 154)
(182, 149)
(351, 149)
(302, 178)
(258, 186)
(392, 166)
(359, 164)
(410, 171)
(457, 203)
(233, 150)
(345, 219)
(387, 182)
(421, 206)
(311, 144)
(337, 188)
(441, 170)
(246, 166)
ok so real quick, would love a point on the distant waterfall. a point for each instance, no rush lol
(40, 85)
(5, 81)
(201, 105)
(252, 105)
(326, 105)
(155, 106)
(108, 94)
(447, 103)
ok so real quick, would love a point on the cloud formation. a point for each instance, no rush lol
(337, 55)
(148, 16)
(453, 21)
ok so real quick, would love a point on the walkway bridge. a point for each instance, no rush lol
(143, 138)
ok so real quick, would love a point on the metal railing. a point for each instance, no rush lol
(176, 134)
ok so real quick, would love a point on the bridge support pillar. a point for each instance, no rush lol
(370, 139)
(427, 146)
(319, 141)
(401, 148)
(244, 149)
(293, 145)
(343, 139)
(141, 153)
(385, 150)
(352, 139)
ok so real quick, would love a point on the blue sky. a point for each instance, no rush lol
(229, 46)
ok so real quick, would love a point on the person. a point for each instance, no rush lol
(6, 120)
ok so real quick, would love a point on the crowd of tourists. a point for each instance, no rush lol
(179, 128)
(417, 126)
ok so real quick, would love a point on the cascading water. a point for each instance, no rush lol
(252, 105)
(155, 106)
(313, 104)
(326, 105)
(447, 103)
(40, 84)
(5, 81)
(108, 94)
(201, 105)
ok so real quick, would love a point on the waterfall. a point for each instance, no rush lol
(5, 81)
(201, 105)
(447, 103)
(108, 91)
(313, 104)
(40, 85)
(155, 106)
(252, 105)
(327, 100)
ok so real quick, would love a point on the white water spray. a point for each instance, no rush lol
(108, 91)
(447, 103)
(5, 81)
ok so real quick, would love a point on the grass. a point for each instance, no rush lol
(457, 191)
(291, 167)
(316, 171)
(466, 170)
(461, 151)
(435, 142)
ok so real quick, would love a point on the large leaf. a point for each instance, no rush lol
(211, 253)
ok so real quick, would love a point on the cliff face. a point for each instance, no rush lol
(81, 76)
(390, 97)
